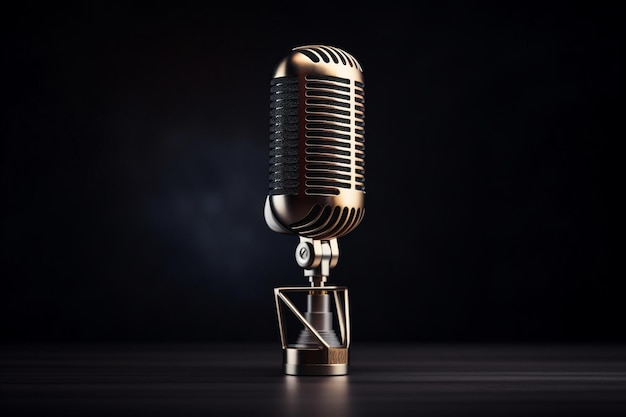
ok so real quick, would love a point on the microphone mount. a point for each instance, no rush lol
(318, 350)
(317, 257)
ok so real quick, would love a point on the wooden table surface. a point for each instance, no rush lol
(246, 380)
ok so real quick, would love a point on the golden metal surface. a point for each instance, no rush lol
(299, 361)
(331, 135)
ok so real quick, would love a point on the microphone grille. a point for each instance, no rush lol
(317, 53)
(317, 143)
(317, 125)
(327, 221)
(334, 135)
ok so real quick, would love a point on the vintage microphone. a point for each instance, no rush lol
(316, 191)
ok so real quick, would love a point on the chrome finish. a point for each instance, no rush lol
(317, 257)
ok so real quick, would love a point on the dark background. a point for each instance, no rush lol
(135, 168)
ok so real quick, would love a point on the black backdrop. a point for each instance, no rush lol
(135, 155)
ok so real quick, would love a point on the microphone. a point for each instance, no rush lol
(317, 192)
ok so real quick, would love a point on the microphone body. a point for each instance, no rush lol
(316, 191)
(317, 144)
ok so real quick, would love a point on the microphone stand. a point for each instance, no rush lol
(317, 350)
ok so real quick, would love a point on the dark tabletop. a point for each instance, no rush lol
(247, 380)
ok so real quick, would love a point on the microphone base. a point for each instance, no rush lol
(323, 362)
(318, 353)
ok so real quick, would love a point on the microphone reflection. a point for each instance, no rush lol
(316, 396)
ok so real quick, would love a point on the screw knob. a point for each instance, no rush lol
(304, 254)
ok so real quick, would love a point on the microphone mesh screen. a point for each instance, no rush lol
(334, 136)
(284, 162)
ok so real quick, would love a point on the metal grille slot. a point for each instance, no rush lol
(359, 135)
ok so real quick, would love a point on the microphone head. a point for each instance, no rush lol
(317, 144)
